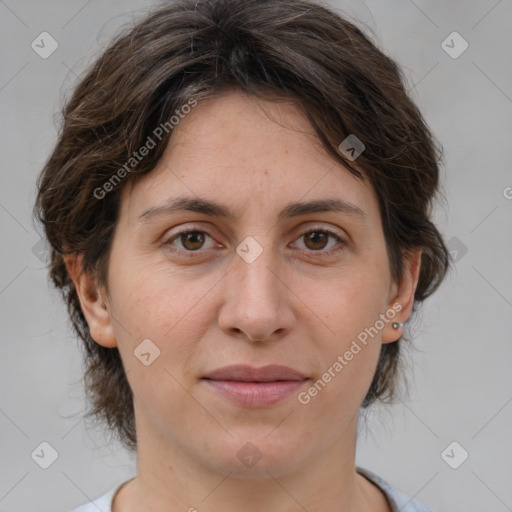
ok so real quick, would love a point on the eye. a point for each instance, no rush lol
(318, 239)
(191, 240)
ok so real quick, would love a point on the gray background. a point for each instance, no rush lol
(460, 384)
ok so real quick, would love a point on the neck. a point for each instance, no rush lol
(169, 479)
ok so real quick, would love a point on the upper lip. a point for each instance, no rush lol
(246, 373)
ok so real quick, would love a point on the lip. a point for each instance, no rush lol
(246, 373)
(255, 387)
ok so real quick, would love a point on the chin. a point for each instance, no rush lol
(257, 457)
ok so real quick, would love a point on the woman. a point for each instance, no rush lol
(238, 209)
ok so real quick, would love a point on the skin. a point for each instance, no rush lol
(304, 310)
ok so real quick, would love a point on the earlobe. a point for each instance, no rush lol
(94, 307)
(402, 301)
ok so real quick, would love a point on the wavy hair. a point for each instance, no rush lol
(294, 49)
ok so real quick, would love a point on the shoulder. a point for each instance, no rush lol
(399, 501)
(103, 503)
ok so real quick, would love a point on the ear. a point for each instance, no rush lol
(402, 297)
(95, 309)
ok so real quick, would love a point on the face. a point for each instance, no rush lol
(262, 281)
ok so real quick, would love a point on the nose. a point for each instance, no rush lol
(258, 305)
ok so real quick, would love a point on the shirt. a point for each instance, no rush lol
(398, 501)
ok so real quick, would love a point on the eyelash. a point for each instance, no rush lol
(192, 254)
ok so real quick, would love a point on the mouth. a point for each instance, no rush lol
(255, 387)
(246, 373)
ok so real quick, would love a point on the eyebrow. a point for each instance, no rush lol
(213, 208)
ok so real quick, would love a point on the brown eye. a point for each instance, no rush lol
(316, 240)
(189, 241)
(192, 240)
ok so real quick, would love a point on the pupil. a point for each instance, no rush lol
(315, 236)
(194, 239)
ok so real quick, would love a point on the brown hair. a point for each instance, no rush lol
(187, 49)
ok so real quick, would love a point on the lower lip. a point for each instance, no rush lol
(256, 394)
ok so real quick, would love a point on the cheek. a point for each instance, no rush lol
(155, 299)
(349, 356)
(150, 303)
(351, 302)
(350, 338)
(150, 306)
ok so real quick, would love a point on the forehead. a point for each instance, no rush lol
(249, 153)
